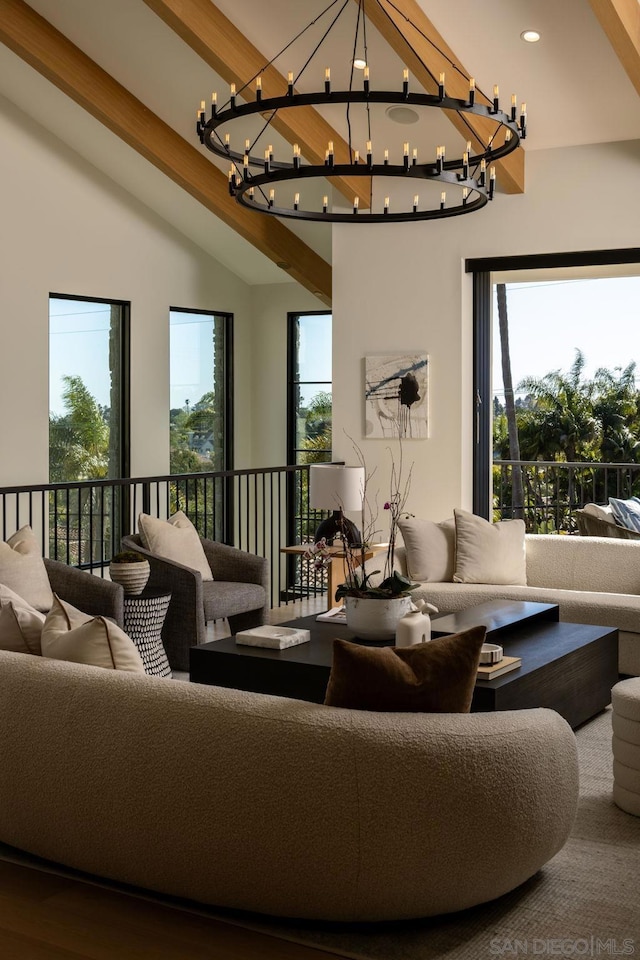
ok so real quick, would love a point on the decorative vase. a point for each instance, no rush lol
(373, 618)
(132, 577)
(415, 626)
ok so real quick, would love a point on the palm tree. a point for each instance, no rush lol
(517, 498)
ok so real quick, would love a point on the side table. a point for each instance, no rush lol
(337, 571)
(143, 619)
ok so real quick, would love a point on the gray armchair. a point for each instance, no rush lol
(89, 593)
(239, 592)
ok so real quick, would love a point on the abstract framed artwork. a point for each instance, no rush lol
(397, 396)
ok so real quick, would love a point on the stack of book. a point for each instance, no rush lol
(490, 671)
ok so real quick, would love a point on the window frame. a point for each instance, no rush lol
(124, 425)
(482, 268)
(292, 382)
(228, 417)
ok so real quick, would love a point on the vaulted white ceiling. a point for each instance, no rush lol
(575, 87)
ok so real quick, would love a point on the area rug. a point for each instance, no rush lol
(583, 903)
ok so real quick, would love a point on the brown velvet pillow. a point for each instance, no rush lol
(434, 677)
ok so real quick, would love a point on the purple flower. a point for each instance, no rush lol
(387, 506)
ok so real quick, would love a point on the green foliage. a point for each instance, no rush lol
(392, 587)
(79, 439)
(128, 556)
(566, 417)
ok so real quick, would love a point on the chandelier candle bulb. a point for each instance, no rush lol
(245, 164)
(356, 158)
(465, 196)
(325, 204)
(514, 105)
(330, 152)
(214, 103)
(386, 156)
(250, 192)
(366, 79)
(405, 82)
(232, 96)
(272, 197)
(416, 200)
(270, 153)
(472, 91)
(258, 88)
(356, 203)
(266, 161)
(227, 140)
(483, 172)
(415, 155)
(290, 83)
(492, 182)
(296, 156)
(327, 80)
(369, 158)
(443, 199)
(441, 86)
(523, 120)
(465, 165)
(406, 156)
(386, 204)
(496, 98)
(247, 146)
(296, 201)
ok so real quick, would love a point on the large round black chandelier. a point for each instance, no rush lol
(270, 184)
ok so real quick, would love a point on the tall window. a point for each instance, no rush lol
(88, 380)
(557, 391)
(309, 387)
(88, 426)
(200, 391)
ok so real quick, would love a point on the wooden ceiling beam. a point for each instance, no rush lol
(227, 51)
(49, 52)
(620, 20)
(415, 51)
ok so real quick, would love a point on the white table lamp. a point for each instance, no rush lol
(336, 487)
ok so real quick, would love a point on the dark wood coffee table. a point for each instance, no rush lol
(568, 667)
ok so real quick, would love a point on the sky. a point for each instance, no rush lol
(78, 346)
(549, 320)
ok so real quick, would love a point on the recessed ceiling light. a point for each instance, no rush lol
(359, 63)
(530, 36)
(400, 114)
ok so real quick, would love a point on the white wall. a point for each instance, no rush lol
(270, 304)
(66, 228)
(401, 288)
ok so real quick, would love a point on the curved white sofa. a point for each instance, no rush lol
(592, 579)
(277, 806)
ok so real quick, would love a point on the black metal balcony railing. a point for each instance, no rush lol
(264, 510)
(553, 490)
(256, 510)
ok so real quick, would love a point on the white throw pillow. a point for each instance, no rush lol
(489, 552)
(20, 623)
(626, 512)
(176, 539)
(430, 549)
(22, 569)
(69, 634)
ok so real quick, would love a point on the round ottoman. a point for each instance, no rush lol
(625, 698)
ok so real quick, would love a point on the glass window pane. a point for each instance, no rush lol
(85, 389)
(197, 391)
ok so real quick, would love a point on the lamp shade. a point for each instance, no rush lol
(335, 487)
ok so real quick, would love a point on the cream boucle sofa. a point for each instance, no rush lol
(592, 579)
(273, 805)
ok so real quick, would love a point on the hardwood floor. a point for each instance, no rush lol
(49, 917)
(46, 917)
